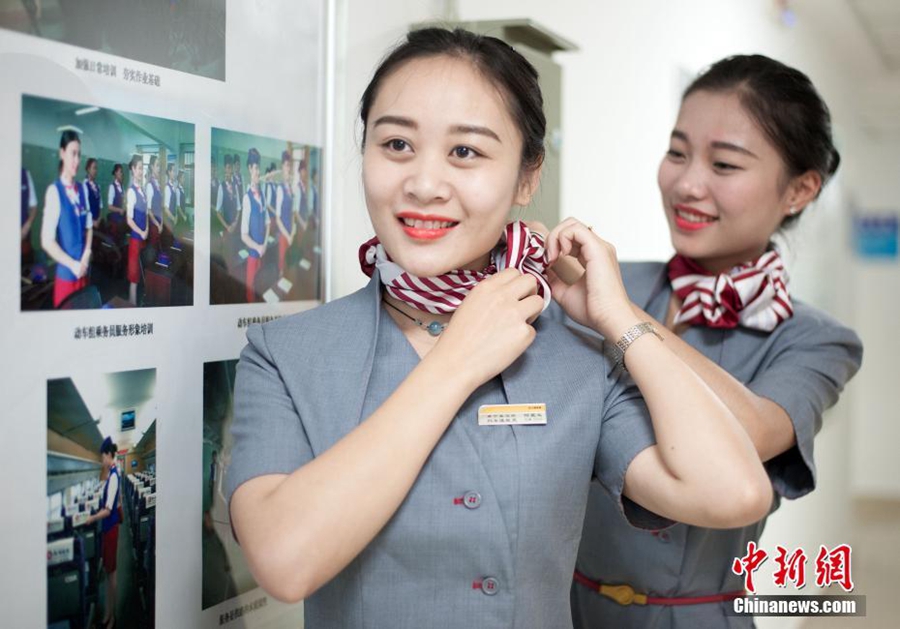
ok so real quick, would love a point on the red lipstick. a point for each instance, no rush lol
(426, 226)
(691, 219)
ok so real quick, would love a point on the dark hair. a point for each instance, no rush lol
(237, 158)
(153, 160)
(785, 105)
(68, 136)
(170, 167)
(135, 160)
(495, 59)
(229, 160)
(301, 165)
(87, 165)
(116, 169)
(253, 157)
(108, 447)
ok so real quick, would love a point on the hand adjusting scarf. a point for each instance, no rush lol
(519, 248)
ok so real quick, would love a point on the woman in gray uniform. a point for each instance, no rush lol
(750, 151)
(418, 454)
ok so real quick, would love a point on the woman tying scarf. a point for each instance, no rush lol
(418, 453)
(750, 151)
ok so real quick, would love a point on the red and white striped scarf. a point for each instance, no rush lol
(519, 248)
(753, 295)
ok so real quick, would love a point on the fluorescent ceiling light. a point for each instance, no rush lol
(69, 127)
(86, 110)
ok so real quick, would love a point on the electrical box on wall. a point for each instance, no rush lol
(537, 44)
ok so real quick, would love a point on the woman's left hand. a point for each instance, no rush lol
(598, 298)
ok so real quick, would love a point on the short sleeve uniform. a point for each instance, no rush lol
(488, 533)
(802, 366)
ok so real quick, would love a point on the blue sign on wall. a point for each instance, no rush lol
(875, 235)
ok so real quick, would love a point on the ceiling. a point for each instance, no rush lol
(68, 415)
(865, 35)
(880, 20)
(76, 406)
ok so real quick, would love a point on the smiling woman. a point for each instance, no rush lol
(479, 151)
(750, 150)
(394, 473)
(723, 183)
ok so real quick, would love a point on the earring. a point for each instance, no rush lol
(793, 211)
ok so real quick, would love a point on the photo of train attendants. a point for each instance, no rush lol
(185, 36)
(101, 500)
(265, 227)
(81, 165)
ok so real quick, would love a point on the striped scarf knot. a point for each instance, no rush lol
(753, 295)
(519, 248)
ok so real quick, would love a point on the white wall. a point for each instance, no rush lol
(875, 466)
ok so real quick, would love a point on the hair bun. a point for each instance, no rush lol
(835, 161)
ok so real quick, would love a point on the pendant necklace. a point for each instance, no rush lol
(434, 328)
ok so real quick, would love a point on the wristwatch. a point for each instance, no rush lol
(617, 349)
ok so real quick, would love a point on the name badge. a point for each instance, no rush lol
(512, 415)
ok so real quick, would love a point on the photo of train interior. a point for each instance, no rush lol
(101, 500)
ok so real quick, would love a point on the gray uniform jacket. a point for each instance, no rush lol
(488, 534)
(801, 366)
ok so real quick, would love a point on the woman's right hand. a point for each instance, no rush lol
(492, 327)
(597, 298)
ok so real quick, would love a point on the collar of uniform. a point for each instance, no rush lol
(521, 380)
(543, 373)
(371, 301)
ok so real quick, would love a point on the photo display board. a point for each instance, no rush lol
(168, 160)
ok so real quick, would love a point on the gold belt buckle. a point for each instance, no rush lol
(623, 594)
